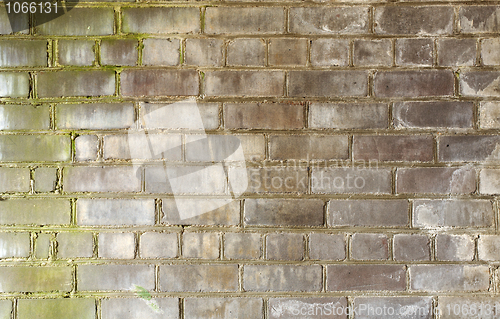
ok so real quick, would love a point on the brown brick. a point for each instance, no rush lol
(489, 115)
(284, 212)
(277, 180)
(479, 19)
(287, 52)
(456, 52)
(23, 53)
(161, 20)
(369, 247)
(411, 247)
(468, 148)
(329, 20)
(436, 278)
(242, 245)
(421, 20)
(433, 114)
(274, 116)
(282, 278)
(480, 83)
(348, 115)
(235, 20)
(351, 180)
(204, 52)
(372, 52)
(393, 307)
(202, 245)
(246, 52)
(77, 22)
(413, 83)
(308, 147)
(214, 308)
(244, 83)
(368, 213)
(119, 52)
(365, 277)
(489, 50)
(76, 83)
(216, 278)
(414, 52)
(159, 82)
(27, 279)
(285, 246)
(101, 179)
(161, 52)
(328, 83)
(450, 247)
(327, 246)
(440, 180)
(329, 52)
(393, 148)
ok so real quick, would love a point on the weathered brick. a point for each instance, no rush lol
(421, 20)
(142, 146)
(411, 247)
(468, 148)
(413, 83)
(351, 180)
(372, 52)
(489, 50)
(209, 278)
(101, 179)
(282, 278)
(217, 148)
(487, 246)
(369, 247)
(456, 52)
(34, 211)
(329, 52)
(114, 277)
(86, 148)
(348, 115)
(235, 20)
(24, 117)
(480, 83)
(200, 245)
(119, 52)
(365, 277)
(161, 52)
(23, 53)
(285, 246)
(14, 180)
(452, 247)
(242, 245)
(158, 245)
(308, 147)
(14, 244)
(179, 115)
(62, 308)
(275, 116)
(329, 20)
(328, 83)
(313, 307)
(368, 212)
(327, 246)
(45, 179)
(414, 52)
(284, 212)
(467, 307)
(75, 245)
(246, 52)
(479, 19)
(276, 179)
(116, 245)
(202, 211)
(76, 83)
(28, 279)
(393, 307)
(95, 116)
(78, 21)
(35, 148)
(440, 180)
(204, 52)
(244, 83)
(132, 308)
(14, 84)
(19, 24)
(433, 114)
(161, 20)
(448, 278)
(76, 52)
(489, 181)
(287, 51)
(213, 308)
(114, 212)
(6, 309)
(393, 148)
(489, 115)
(159, 82)
(42, 247)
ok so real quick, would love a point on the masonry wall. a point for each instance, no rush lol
(370, 136)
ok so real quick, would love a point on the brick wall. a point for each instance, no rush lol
(370, 176)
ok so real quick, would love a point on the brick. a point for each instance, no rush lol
(75, 245)
(213, 308)
(421, 20)
(24, 117)
(242, 245)
(313, 307)
(479, 19)
(277, 278)
(119, 52)
(284, 212)
(161, 20)
(116, 245)
(487, 246)
(14, 180)
(276, 180)
(468, 148)
(14, 84)
(271, 116)
(101, 179)
(369, 247)
(202, 211)
(179, 115)
(368, 213)
(6, 309)
(393, 307)
(66, 308)
(204, 52)
(20, 24)
(433, 114)
(42, 248)
(329, 52)
(158, 245)
(456, 52)
(35, 148)
(27, 279)
(200, 245)
(413, 83)
(215, 278)
(23, 53)
(480, 83)
(228, 148)
(77, 22)
(414, 52)
(328, 83)
(418, 148)
(244, 83)
(329, 20)
(143, 147)
(132, 308)
(489, 49)
(115, 277)
(14, 244)
(159, 82)
(436, 278)
(327, 246)
(161, 52)
(450, 247)
(234, 20)
(308, 147)
(489, 115)
(285, 246)
(348, 115)
(77, 83)
(246, 52)
(114, 212)
(95, 116)
(411, 247)
(440, 180)
(371, 277)
(86, 148)
(76, 52)
(45, 179)
(466, 307)
(489, 181)
(287, 51)
(372, 52)
(34, 211)
(351, 180)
